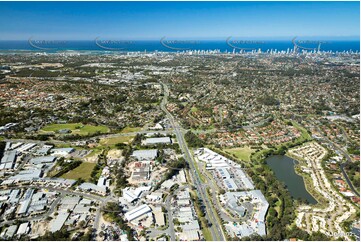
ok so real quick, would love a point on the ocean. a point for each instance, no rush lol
(175, 46)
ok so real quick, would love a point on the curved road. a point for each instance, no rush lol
(336, 147)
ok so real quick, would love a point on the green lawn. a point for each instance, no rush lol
(305, 135)
(194, 109)
(115, 140)
(131, 129)
(82, 171)
(207, 234)
(76, 128)
(242, 153)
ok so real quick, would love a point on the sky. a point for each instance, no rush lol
(183, 20)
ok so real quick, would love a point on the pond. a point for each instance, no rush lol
(284, 169)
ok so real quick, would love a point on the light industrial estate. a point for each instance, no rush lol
(190, 145)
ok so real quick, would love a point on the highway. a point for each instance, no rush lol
(215, 229)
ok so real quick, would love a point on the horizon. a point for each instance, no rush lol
(288, 38)
(178, 20)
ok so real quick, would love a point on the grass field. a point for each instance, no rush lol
(305, 135)
(131, 129)
(194, 109)
(76, 128)
(207, 234)
(115, 140)
(243, 153)
(205, 230)
(82, 171)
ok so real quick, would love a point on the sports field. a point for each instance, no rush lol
(242, 153)
(76, 128)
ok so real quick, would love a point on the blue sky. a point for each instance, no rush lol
(183, 20)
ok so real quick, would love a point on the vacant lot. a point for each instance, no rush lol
(115, 140)
(76, 128)
(83, 171)
(114, 154)
(242, 153)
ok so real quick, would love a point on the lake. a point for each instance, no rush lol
(284, 169)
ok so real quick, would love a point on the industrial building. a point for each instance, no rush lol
(26, 147)
(42, 160)
(141, 155)
(44, 150)
(159, 216)
(8, 233)
(141, 173)
(62, 151)
(8, 160)
(57, 224)
(131, 194)
(90, 187)
(26, 175)
(159, 140)
(25, 202)
(23, 229)
(137, 212)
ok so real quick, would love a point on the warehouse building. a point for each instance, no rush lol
(24, 228)
(90, 187)
(26, 202)
(27, 175)
(44, 150)
(26, 147)
(8, 161)
(62, 151)
(57, 224)
(159, 216)
(42, 160)
(9, 157)
(141, 155)
(154, 141)
(9, 232)
(138, 212)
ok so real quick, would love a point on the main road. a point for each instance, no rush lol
(215, 228)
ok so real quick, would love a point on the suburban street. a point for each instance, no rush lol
(336, 147)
